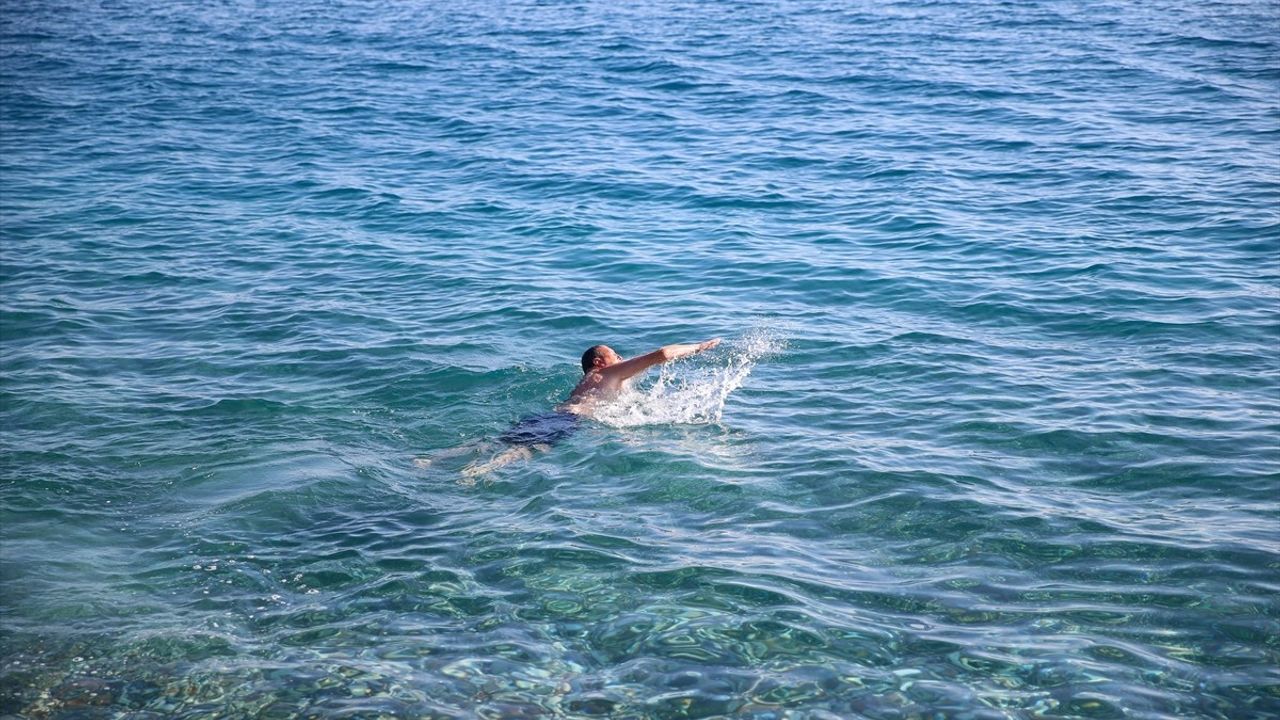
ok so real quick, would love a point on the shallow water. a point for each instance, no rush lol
(993, 433)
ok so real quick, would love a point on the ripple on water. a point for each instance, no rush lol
(992, 433)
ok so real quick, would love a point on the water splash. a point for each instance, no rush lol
(693, 392)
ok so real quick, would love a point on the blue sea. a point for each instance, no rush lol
(993, 433)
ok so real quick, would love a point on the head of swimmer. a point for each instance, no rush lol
(599, 356)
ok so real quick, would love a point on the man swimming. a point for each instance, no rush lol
(605, 374)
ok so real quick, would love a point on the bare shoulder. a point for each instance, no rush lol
(590, 383)
(594, 386)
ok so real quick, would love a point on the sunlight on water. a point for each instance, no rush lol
(693, 392)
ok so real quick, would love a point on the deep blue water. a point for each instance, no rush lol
(994, 433)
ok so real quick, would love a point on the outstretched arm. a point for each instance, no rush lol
(636, 365)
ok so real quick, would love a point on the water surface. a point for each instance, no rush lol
(993, 433)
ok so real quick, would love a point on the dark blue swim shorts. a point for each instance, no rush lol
(546, 428)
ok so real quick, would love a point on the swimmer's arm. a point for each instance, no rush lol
(636, 365)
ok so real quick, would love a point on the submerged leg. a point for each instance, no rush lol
(464, 449)
(506, 457)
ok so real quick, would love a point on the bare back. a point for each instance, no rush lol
(594, 387)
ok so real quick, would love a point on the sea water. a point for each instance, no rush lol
(993, 432)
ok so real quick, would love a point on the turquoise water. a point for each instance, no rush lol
(993, 433)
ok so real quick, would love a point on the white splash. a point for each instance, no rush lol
(692, 391)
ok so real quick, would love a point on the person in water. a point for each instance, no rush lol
(605, 374)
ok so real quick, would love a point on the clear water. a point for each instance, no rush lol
(993, 434)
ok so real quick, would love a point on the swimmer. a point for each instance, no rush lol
(605, 374)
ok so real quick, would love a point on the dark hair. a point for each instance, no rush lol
(589, 357)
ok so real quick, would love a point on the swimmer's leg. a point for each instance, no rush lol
(464, 449)
(506, 457)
